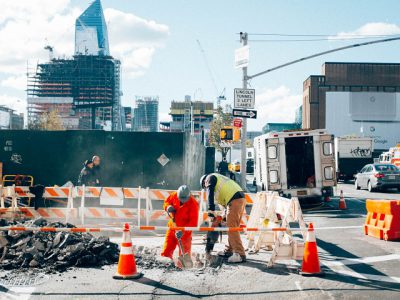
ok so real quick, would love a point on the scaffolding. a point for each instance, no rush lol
(86, 87)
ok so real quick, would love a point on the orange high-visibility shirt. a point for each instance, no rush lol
(187, 214)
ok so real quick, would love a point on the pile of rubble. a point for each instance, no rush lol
(150, 258)
(52, 251)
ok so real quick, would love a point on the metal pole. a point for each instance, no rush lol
(243, 39)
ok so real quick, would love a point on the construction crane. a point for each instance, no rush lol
(221, 95)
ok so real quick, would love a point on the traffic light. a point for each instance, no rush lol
(226, 134)
(236, 134)
(230, 133)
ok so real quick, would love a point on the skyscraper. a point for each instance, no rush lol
(84, 90)
(91, 37)
(146, 114)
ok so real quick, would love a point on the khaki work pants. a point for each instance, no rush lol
(234, 213)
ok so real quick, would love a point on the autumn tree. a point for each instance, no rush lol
(48, 121)
(221, 119)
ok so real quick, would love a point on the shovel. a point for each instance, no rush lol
(185, 258)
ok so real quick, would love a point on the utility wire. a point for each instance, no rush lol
(320, 40)
(321, 35)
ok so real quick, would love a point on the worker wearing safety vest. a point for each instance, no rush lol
(229, 194)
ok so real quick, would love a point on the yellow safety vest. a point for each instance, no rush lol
(225, 189)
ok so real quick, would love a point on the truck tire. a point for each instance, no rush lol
(370, 188)
(356, 185)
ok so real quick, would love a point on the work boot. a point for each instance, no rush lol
(224, 253)
(165, 260)
(237, 258)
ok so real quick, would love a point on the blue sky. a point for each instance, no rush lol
(161, 57)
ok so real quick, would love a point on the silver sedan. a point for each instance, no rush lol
(378, 177)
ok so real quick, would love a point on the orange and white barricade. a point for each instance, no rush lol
(112, 196)
(272, 211)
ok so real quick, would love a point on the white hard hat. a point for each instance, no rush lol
(202, 179)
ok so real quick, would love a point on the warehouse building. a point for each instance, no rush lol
(359, 99)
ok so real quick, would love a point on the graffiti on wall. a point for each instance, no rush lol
(361, 152)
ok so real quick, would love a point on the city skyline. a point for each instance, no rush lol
(160, 54)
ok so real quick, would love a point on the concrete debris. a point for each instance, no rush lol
(53, 252)
(149, 258)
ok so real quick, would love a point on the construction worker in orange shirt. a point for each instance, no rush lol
(184, 209)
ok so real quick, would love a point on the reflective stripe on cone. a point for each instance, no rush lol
(126, 263)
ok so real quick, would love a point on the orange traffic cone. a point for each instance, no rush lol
(310, 266)
(126, 263)
(342, 203)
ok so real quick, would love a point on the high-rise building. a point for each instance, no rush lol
(91, 37)
(145, 114)
(84, 90)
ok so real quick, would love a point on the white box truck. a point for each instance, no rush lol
(296, 163)
(351, 155)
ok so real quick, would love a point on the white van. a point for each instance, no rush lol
(296, 163)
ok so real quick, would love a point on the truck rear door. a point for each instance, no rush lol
(328, 172)
(274, 156)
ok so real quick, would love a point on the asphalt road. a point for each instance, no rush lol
(356, 267)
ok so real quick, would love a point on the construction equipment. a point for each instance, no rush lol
(184, 258)
(213, 236)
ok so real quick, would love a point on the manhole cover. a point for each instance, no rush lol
(163, 159)
(23, 279)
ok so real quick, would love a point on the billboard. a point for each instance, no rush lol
(368, 114)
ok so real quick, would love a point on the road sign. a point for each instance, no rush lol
(244, 113)
(237, 122)
(242, 57)
(245, 98)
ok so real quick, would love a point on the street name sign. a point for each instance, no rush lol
(245, 98)
(244, 113)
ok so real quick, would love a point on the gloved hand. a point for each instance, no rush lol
(179, 234)
(211, 214)
(171, 209)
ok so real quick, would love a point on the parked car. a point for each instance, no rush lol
(378, 177)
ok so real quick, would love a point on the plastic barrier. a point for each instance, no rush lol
(383, 219)
(273, 212)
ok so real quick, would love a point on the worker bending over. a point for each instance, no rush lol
(230, 195)
(183, 207)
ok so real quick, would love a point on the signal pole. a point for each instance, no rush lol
(243, 40)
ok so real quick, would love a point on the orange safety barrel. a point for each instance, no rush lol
(383, 219)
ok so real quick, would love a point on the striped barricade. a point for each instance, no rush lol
(111, 196)
(90, 191)
(31, 213)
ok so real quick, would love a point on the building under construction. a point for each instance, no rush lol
(189, 116)
(84, 90)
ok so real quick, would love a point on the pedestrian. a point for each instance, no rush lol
(96, 170)
(228, 194)
(223, 167)
(86, 175)
(184, 209)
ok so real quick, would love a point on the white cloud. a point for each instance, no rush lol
(15, 82)
(134, 40)
(13, 102)
(373, 29)
(164, 117)
(27, 27)
(275, 105)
